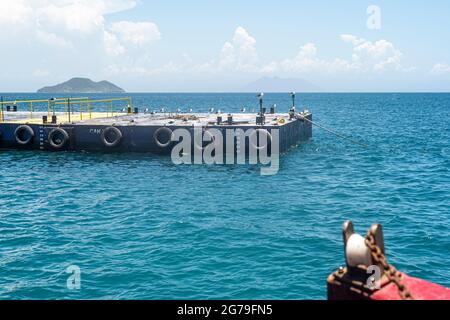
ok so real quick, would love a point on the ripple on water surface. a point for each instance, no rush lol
(140, 227)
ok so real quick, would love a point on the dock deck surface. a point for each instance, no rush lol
(21, 117)
(143, 119)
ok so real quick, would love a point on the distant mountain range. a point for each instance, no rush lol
(275, 84)
(82, 85)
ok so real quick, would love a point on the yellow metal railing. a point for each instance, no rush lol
(82, 106)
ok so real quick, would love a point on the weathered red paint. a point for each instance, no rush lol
(419, 289)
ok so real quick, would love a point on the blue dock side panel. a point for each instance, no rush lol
(134, 136)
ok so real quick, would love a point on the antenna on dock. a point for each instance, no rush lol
(260, 118)
(293, 98)
(260, 97)
(292, 109)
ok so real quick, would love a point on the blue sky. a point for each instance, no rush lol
(223, 45)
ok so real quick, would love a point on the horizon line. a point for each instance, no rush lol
(222, 92)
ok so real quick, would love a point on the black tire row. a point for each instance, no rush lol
(58, 138)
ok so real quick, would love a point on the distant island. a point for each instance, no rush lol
(82, 85)
(276, 84)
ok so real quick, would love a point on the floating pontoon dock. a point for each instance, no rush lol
(113, 125)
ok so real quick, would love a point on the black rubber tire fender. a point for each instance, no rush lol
(156, 137)
(19, 130)
(111, 144)
(65, 138)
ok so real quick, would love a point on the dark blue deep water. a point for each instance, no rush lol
(140, 227)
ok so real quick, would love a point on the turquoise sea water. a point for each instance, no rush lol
(140, 227)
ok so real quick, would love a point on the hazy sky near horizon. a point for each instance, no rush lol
(221, 45)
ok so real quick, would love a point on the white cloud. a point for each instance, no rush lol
(76, 17)
(245, 46)
(366, 56)
(239, 57)
(50, 30)
(240, 53)
(52, 39)
(307, 60)
(270, 68)
(440, 68)
(227, 56)
(14, 12)
(136, 33)
(66, 15)
(112, 45)
(379, 55)
(351, 38)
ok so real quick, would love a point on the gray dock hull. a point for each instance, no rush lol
(135, 138)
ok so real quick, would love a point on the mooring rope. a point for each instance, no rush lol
(340, 135)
